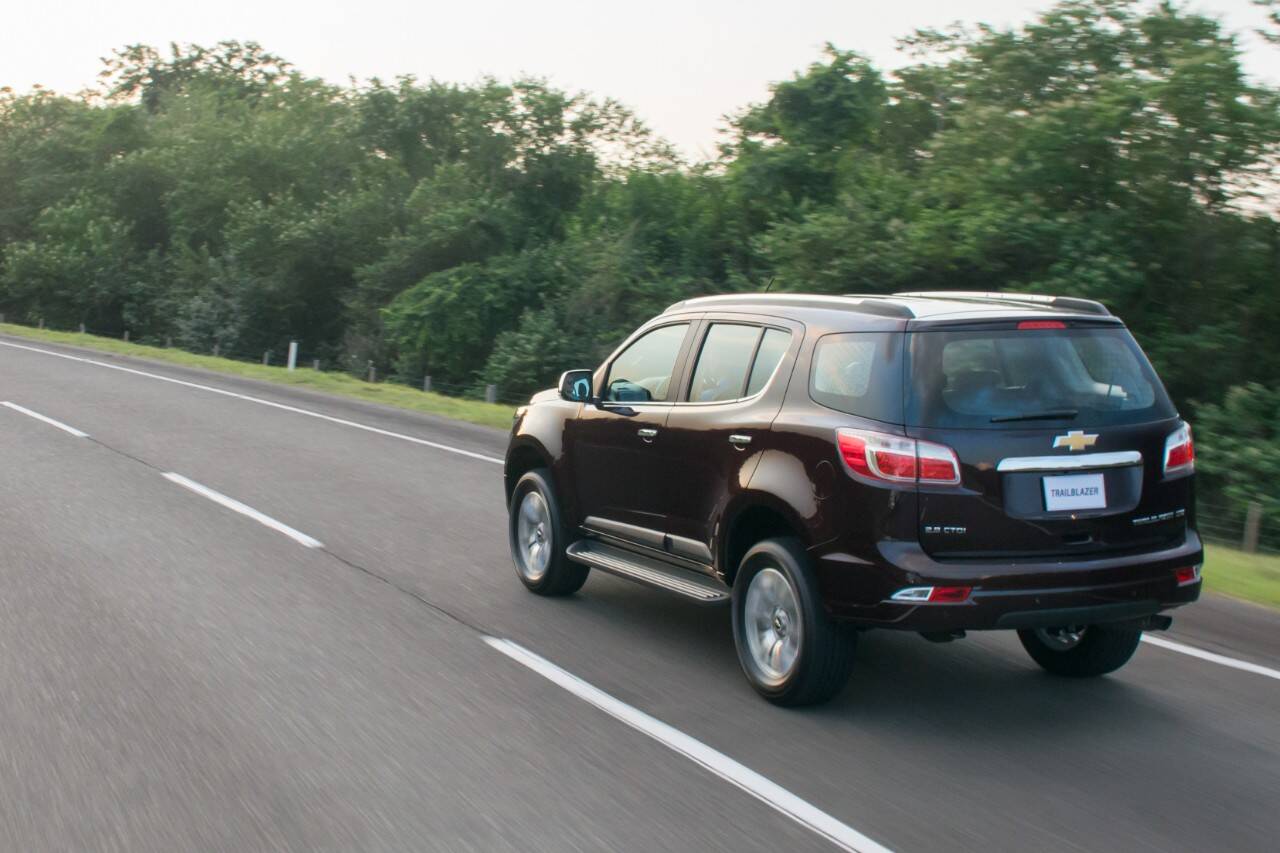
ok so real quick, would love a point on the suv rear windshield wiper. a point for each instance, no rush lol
(1054, 415)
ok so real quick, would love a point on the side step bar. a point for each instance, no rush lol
(648, 571)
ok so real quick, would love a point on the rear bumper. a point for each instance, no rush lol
(1007, 595)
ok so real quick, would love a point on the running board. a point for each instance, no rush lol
(648, 571)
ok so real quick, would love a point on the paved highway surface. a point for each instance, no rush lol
(178, 675)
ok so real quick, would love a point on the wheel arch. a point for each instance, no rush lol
(750, 519)
(523, 456)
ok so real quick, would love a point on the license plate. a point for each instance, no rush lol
(1075, 491)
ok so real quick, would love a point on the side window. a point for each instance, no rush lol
(772, 347)
(723, 364)
(642, 372)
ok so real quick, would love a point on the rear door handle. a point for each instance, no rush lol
(739, 440)
(647, 433)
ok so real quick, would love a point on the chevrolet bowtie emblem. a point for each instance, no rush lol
(1074, 440)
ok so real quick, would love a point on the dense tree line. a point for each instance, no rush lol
(501, 232)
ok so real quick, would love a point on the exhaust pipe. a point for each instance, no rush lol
(1157, 622)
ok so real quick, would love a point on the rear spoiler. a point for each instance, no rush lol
(1063, 303)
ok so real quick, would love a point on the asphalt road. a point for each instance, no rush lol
(178, 676)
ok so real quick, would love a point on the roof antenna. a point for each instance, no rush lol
(772, 278)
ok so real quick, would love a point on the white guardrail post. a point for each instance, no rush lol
(293, 355)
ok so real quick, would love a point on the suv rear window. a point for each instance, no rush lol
(859, 373)
(1011, 378)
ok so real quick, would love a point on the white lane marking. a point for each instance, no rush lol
(770, 793)
(260, 401)
(50, 421)
(1243, 665)
(236, 506)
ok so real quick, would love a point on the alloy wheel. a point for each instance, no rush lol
(771, 622)
(533, 536)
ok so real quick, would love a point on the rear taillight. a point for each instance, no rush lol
(895, 459)
(1042, 324)
(1179, 451)
(1187, 575)
(938, 463)
(877, 455)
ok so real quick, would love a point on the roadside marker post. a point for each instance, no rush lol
(293, 355)
(1252, 528)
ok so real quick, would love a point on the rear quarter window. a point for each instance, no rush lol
(859, 373)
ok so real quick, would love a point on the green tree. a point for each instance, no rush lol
(1238, 446)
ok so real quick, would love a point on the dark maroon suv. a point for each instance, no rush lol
(931, 462)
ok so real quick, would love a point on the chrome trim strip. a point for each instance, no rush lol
(1118, 459)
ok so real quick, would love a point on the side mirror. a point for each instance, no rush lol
(575, 385)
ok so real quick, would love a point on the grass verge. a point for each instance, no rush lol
(1253, 577)
(342, 384)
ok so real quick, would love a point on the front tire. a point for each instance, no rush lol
(1081, 651)
(539, 539)
(790, 649)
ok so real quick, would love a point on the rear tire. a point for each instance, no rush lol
(539, 539)
(791, 651)
(1098, 650)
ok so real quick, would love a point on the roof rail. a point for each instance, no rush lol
(1065, 303)
(862, 303)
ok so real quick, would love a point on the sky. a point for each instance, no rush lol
(682, 66)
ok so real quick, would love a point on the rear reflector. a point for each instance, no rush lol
(949, 594)
(933, 594)
(1042, 324)
(1187, 575)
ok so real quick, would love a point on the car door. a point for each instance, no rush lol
(616, 442)
(724, 408)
